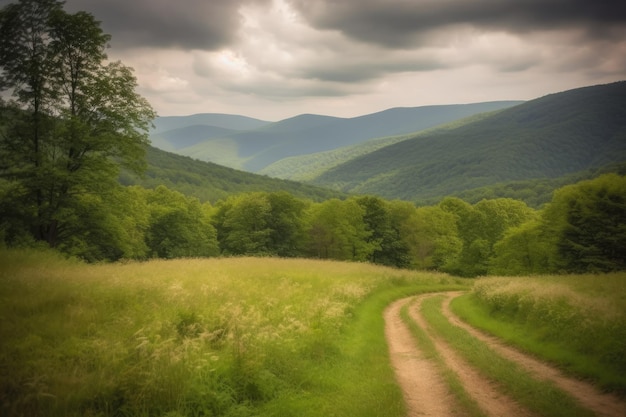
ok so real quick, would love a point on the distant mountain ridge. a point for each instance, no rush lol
(252, 144)
(225, 121)
(517, 149)
(549, 137)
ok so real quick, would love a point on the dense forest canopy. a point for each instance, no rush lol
(73, 119)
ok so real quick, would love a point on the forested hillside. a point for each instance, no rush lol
(252, 145)
(210, 182)
(550, 137)
(308, 167)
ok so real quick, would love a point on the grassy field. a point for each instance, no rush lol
(228, 337)
(577, 322)
(540, 397)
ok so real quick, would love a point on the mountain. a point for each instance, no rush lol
(183, 137)
(253, 149)
(225, 121)
(310, 166)
(210, 182)
(550, 137)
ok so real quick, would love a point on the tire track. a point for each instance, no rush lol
(482, 390)
(602, 404)
(423, 389)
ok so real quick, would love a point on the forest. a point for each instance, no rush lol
(582, 229)
(73, 121)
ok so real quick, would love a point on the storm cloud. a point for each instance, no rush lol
(275, 58)
(186, 24)
(404, 23)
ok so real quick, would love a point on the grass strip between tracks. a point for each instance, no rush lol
(361, 381)
(531, 338)
(541, 397)
(469, 405)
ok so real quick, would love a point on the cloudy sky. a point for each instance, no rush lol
(273, 59)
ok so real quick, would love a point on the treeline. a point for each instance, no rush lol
(582, 229)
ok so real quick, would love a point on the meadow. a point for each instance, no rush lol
(199, 337)
(273, 337)
(577, 322)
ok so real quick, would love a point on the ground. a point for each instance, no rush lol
(427, 394)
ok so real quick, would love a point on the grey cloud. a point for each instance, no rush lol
(405, 23)
(347, 71)
(188, 24)
(289, 89)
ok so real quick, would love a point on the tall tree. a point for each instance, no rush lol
(247, 225)
(336, 231)
(587, 225)
(179, 226)
(74, 117)
(480, 226)
(286, 224)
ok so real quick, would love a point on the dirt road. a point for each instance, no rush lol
(426, 393)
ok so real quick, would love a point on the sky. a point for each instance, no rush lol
(274, 59)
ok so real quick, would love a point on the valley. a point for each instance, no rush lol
(426, 153)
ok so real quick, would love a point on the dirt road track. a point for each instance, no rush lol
(425, 392)
(423, 388)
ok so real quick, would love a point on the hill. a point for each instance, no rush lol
(225, 121)
(550, 137)
(211, 182)
(253, 149)
(308, 167)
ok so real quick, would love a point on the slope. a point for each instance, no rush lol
(211, 182)
(310, 166)
(225, 121)
(254, 149)
(549, 137)
(184, 137)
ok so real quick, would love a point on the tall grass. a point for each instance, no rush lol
(541, 397)
(578, 322)
(231, 337)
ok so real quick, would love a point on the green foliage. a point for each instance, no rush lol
(73, 119)
(541, 139)
(385, 229)
(537, 395)
(336, 230)
(260, 224)
(244, 228)
(592, 237)
(179, 226)
(480, 227)
(241, 336)
(581, 230)
(255, 145)
(523, 250)
(210, 182)
(576, 321)
(435, 241)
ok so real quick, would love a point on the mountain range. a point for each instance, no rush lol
(252, 145)
(423, 153)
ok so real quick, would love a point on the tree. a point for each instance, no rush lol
(435, 243)
(381, 237)
(286, 224)
(587, 223)
(336, 231)
(179, 226)
(480, 226)
(74, 118)
(246, 225)
(523, 250)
